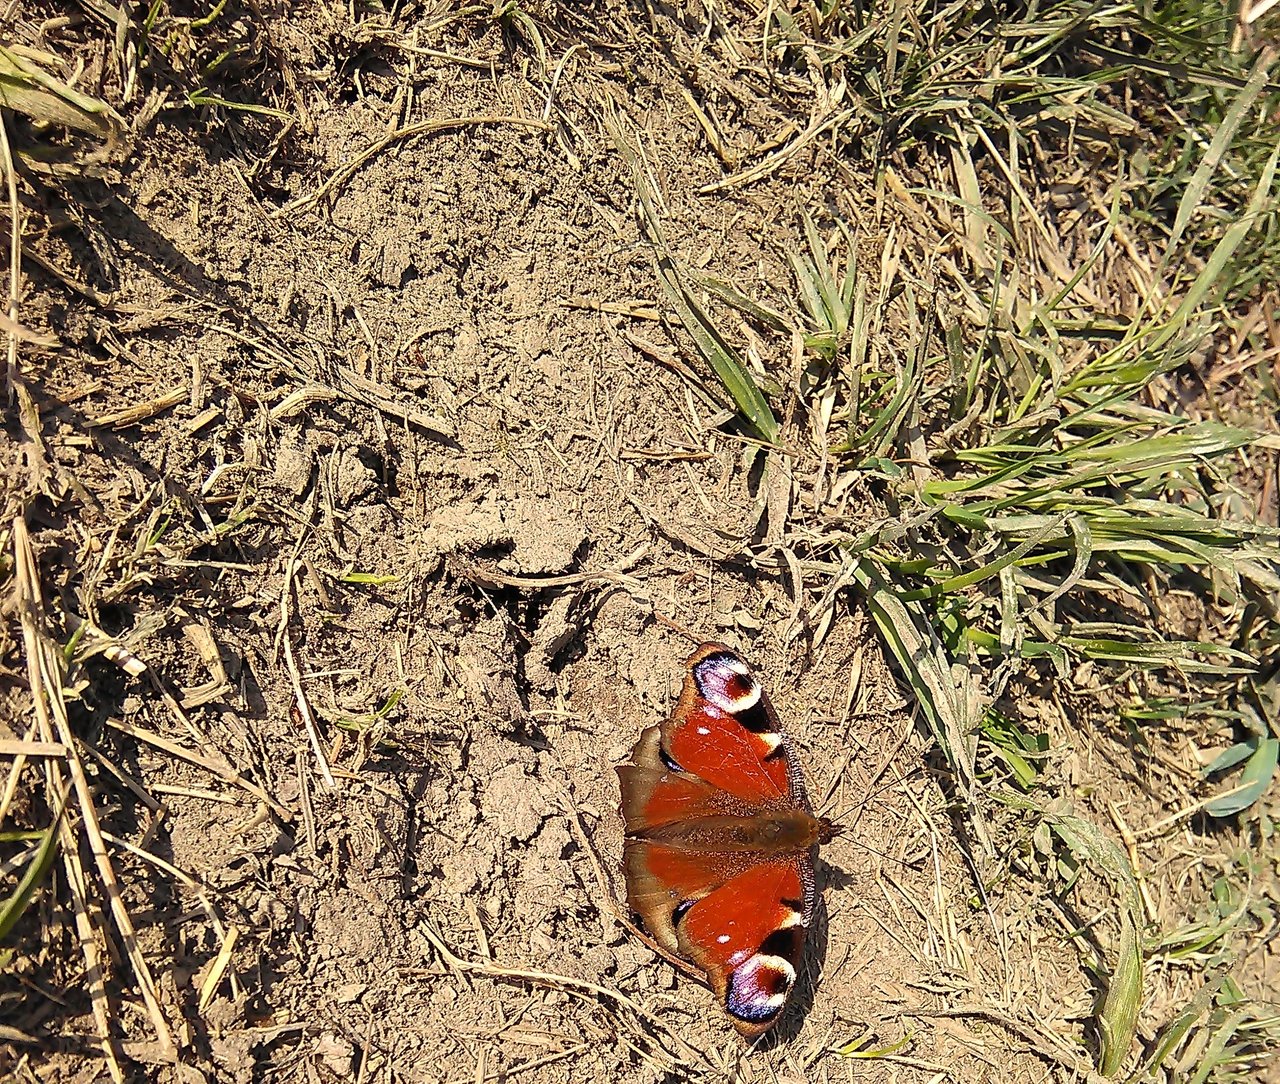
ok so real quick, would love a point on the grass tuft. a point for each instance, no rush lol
(1053, 509)
(715, 349)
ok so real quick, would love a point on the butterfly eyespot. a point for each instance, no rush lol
(681, 909)
(758, 988)
(726, 682)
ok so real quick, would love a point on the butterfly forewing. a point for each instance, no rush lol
(725, 731)
(748, 935)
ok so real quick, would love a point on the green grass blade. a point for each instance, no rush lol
(948, 696)
(37, 870)
(723, 358)
(1118, 1020)
(958, 583)
(1258, 772)
(1193, 198)
(883, 430)
(853, 1048)
(202, 97)
(1213, 273)
(27, 88)
(731, 295)
(715, 350)
(1118, 1015)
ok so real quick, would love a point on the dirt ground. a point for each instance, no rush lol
(419, 448)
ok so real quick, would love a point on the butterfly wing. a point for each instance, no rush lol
(656, 793)
(748, 935)
(724, 730)
(663, 879)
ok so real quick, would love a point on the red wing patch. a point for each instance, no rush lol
(749, 937)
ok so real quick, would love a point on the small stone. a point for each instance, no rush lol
(292, 471)
(337, 1054)
(355, 479)
(350, 992)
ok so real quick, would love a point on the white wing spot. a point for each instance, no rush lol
(703, 730)
(771, 741)
(716, 676)
(723, 939)
(717, 697)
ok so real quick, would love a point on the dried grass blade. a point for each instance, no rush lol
(565, 983)
(308, 719)
(214, 979)
(426, 127)
(27, 88)
(718, 353)
(56, 785)
(43, 660)
(89, 940)
(780, 157)
(222, 770)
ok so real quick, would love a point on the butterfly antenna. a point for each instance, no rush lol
(831, 828)
(856, 808)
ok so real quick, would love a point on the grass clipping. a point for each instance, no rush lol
(27, 87)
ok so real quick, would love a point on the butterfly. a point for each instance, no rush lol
(720, 838)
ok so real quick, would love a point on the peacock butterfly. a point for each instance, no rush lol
(720, 838)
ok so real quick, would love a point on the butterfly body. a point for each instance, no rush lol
(785, 832)
(720, 838)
